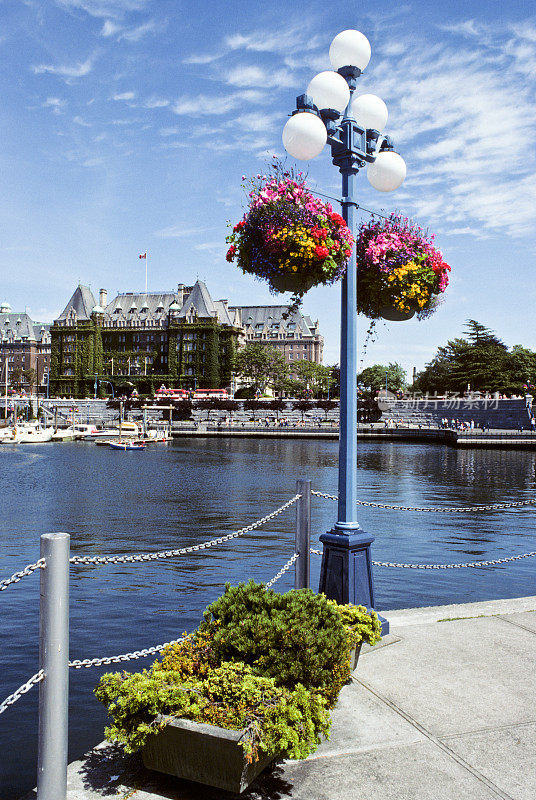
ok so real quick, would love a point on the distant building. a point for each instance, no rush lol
(297, 338)
(183, 339)
(24, 346)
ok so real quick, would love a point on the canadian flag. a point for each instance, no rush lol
(144, 255)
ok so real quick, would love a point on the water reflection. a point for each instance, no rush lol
(171, 497)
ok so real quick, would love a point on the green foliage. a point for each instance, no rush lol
(230, 696)
(261, 365)
(482, 361)
(297, 637)
(361, 625)
(374, 377)
(312, 376)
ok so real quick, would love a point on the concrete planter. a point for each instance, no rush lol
(203, 753)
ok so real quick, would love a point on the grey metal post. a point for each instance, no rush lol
(303, 535)
(54, 661)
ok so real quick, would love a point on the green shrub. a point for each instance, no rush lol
(297, 637)
(276, 720)
(361, 625)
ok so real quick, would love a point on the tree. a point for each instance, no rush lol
(261, 365)
(377, 376)
(327, 406)
(479, 362)
(302, 406)
(16, 378)
(314, 377)
(30, 376)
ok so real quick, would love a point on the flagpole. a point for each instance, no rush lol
(146, 272)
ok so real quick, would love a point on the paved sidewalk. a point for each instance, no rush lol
(444, 708)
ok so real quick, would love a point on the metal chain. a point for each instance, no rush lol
(183, 550)
(455, 566)
(445, 566)
(21, 690)
(22, 574)
(97, 662)
(434, 510)
(282, 571)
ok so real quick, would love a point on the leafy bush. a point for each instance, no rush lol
(361, 625)
(297, 637)
(231, 696)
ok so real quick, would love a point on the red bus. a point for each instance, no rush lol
(211, 394)
(170, 394)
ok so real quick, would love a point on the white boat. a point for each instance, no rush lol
(127, 429)
(30, 434)
(83, 431)
(63, 435)
(127, 445)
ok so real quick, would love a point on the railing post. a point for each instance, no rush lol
(54, 661)
(303, 535)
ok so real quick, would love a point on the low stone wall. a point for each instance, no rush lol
(489, 412)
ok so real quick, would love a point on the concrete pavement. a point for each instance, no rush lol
(444, 708)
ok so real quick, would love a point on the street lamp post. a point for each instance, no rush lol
(329, 112)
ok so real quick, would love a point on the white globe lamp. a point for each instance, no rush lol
(304, 136)
(370, 111)
(388, 172)
(329, 90)
(349, 49)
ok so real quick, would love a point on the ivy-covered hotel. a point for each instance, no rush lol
(183, 338)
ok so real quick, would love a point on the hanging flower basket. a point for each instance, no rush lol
(400, 273)
(288, 237)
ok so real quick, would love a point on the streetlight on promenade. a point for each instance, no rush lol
(352, 126)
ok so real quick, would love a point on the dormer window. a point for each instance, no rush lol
(117, 310)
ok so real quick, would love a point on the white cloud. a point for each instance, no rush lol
(79, 121)
(464, 118)
(213, 104)
(135, 34)
(156, 102)
(124, 96)
(109, 28)
(202, 59)
(169, 131)
(278, 41)
(55, 103)
(104, 8)
(79, 70)
(255, 76)
(178, 232)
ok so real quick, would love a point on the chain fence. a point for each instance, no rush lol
(473, 564)
(282, 571)
(22, 574)
(140, 557)
(434, 509)
(93, 560)
(12, 698)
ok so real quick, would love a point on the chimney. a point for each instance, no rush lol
(180, 294)
(103, 298)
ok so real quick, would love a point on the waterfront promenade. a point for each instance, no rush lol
(442, 708)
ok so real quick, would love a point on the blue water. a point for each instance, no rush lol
(190, 491)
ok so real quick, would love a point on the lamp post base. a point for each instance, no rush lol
(346, 572)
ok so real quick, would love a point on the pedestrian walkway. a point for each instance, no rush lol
(443, 708)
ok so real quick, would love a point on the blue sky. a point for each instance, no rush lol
(126, 126)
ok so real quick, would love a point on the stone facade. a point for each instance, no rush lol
(24, 345)
(183, 339)
(297, 338)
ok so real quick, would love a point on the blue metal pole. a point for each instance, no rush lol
(347, 510)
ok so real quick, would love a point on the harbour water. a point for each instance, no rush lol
(193, 490)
